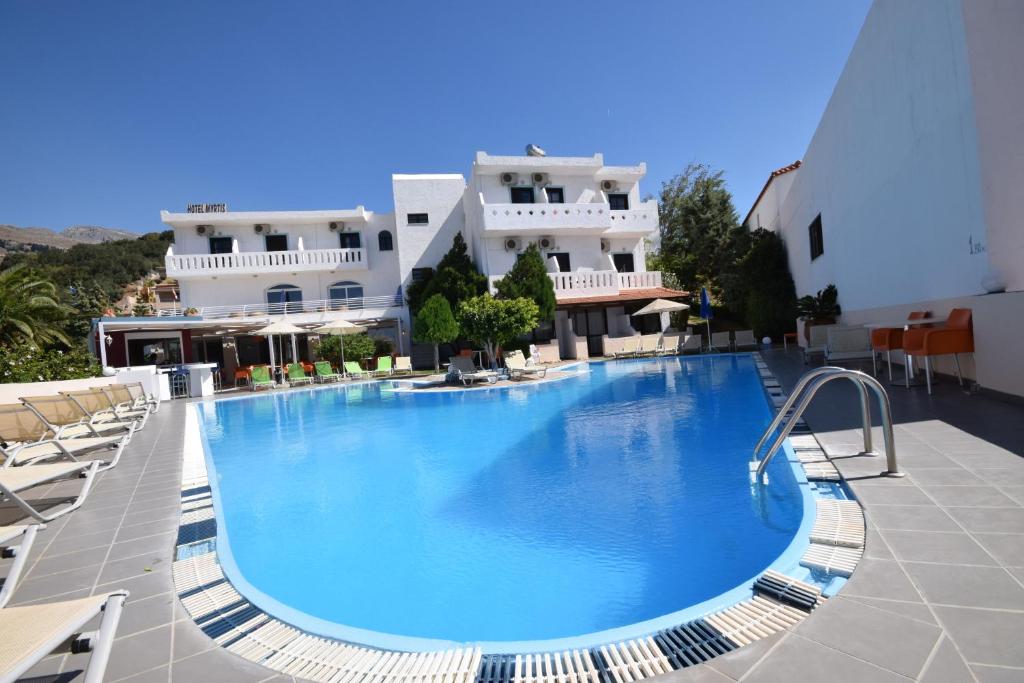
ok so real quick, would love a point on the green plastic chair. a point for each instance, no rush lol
(297, 374)
(324, 372)
(384, 365)
(352, 369)
(261, 377)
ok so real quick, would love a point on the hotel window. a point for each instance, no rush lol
(220, 245)
(417, 219)
(623, 262)
(349, 240)
(345, 295)
(284, 298)
(814, 234)
(556, 195)
(521, 195)
(385, 242)
(276, 242)
(618, 201)
(562, 259)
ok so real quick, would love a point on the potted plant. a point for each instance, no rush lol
(820, 309)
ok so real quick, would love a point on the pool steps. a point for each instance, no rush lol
(778, 602)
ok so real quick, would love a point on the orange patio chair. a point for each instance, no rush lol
(890, 339)
(953, 338)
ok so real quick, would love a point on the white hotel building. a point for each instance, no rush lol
(239, 270)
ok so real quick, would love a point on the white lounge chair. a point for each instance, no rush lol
(818, 338)
(720, 342)
(31, 632)
(847, 343)
(97, 404)
(649, 345)
(122, 397)
(461, 369)
(27, 534)
(65, 418)
(143, 399)
(518, 367)
(403, 365)
(23, 440)
(692, 342)
(14, 480)
(670, 343)
(745, 339)
(621, 347)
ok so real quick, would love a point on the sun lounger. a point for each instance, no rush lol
(121, 397)
(670, 344)
(745, 339)
(461, 369)
(138, 392)
(20, 553)
(691, 343)
(621, 347)
(352, 369)
(297, 374)
(518, 368)
(31, 632)
(23, 440)
(14, 480)
(847, 343)
(384, 366)
(403, 365)
(720, 342)
(98, 405)
(649, 345)
(65, 418)
(325, 373)
(260, 377)
(816, 342)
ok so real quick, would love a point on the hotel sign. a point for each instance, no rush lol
(207, 208)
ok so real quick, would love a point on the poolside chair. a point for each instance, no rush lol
(352, 370)
(98, 405)
(461, 369)
(121, 397)
(260, 377)
(23, 440)
(384, 366)
(953, 338)
(670, 344)
(817, 339)
(403, 365)
(324, 372)
(518, 368)
(29, 633)
(297, 374)
(620, 347)
(847, 343)
(745, 339)
(720, 342)
(142, 398)
(649, 345)
(66, 419)
(14, 480)
(27, 534)
(691, 343)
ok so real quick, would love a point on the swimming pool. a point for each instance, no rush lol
(577, 509)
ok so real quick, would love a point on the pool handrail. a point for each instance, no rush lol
(805, 391)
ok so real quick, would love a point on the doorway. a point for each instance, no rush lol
(592, 324)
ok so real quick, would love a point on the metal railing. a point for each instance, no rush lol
(285, 308)
(805, 391)
(245, 262)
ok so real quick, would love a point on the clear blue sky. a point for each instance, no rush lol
(110, 111)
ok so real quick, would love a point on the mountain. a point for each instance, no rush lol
(13, 238)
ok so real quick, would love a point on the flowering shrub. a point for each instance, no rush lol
(28, 363)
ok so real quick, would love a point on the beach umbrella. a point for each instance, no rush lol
(705, 310)
(275, 328)
(659, 306)
(340, 328)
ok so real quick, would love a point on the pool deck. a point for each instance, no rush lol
(939, 595)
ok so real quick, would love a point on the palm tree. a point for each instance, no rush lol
(29, 309)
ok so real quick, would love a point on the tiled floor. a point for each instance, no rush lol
(938, 597)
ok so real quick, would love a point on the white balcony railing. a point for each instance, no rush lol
(587, 283)
(289, 308)
(545, 217)
(643, 219)
(254, 262)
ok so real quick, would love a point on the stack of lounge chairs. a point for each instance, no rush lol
(519, 367)
(46, 439)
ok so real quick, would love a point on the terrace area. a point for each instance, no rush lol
(938, 595)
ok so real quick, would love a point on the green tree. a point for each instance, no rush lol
(29, 363)
(760, 287)
(493, 322)
(699, 228)
(456, 278)
(141, 309)
(435, 324)
(30, 311)
(529, 279)
(357, 347)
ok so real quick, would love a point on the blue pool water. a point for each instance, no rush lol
(537, 512)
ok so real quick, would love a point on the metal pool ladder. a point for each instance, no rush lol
(805, 391)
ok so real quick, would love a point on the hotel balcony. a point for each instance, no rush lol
(297, 311)
(595, 218)
(593, 283)
(256, 262)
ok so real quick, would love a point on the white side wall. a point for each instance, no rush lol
(766, 212)
(438, 196)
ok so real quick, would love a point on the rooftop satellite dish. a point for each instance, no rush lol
(535, 151)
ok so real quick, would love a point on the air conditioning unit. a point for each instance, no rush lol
(335, 227)
(606, 246)
(540, 179)
(609, 185)
(204, 229)
(512, 244)
(509, 178)
(261, 228)
(546, 243)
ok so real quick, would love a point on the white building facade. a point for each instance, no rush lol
(909, 194)
(308, 266)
